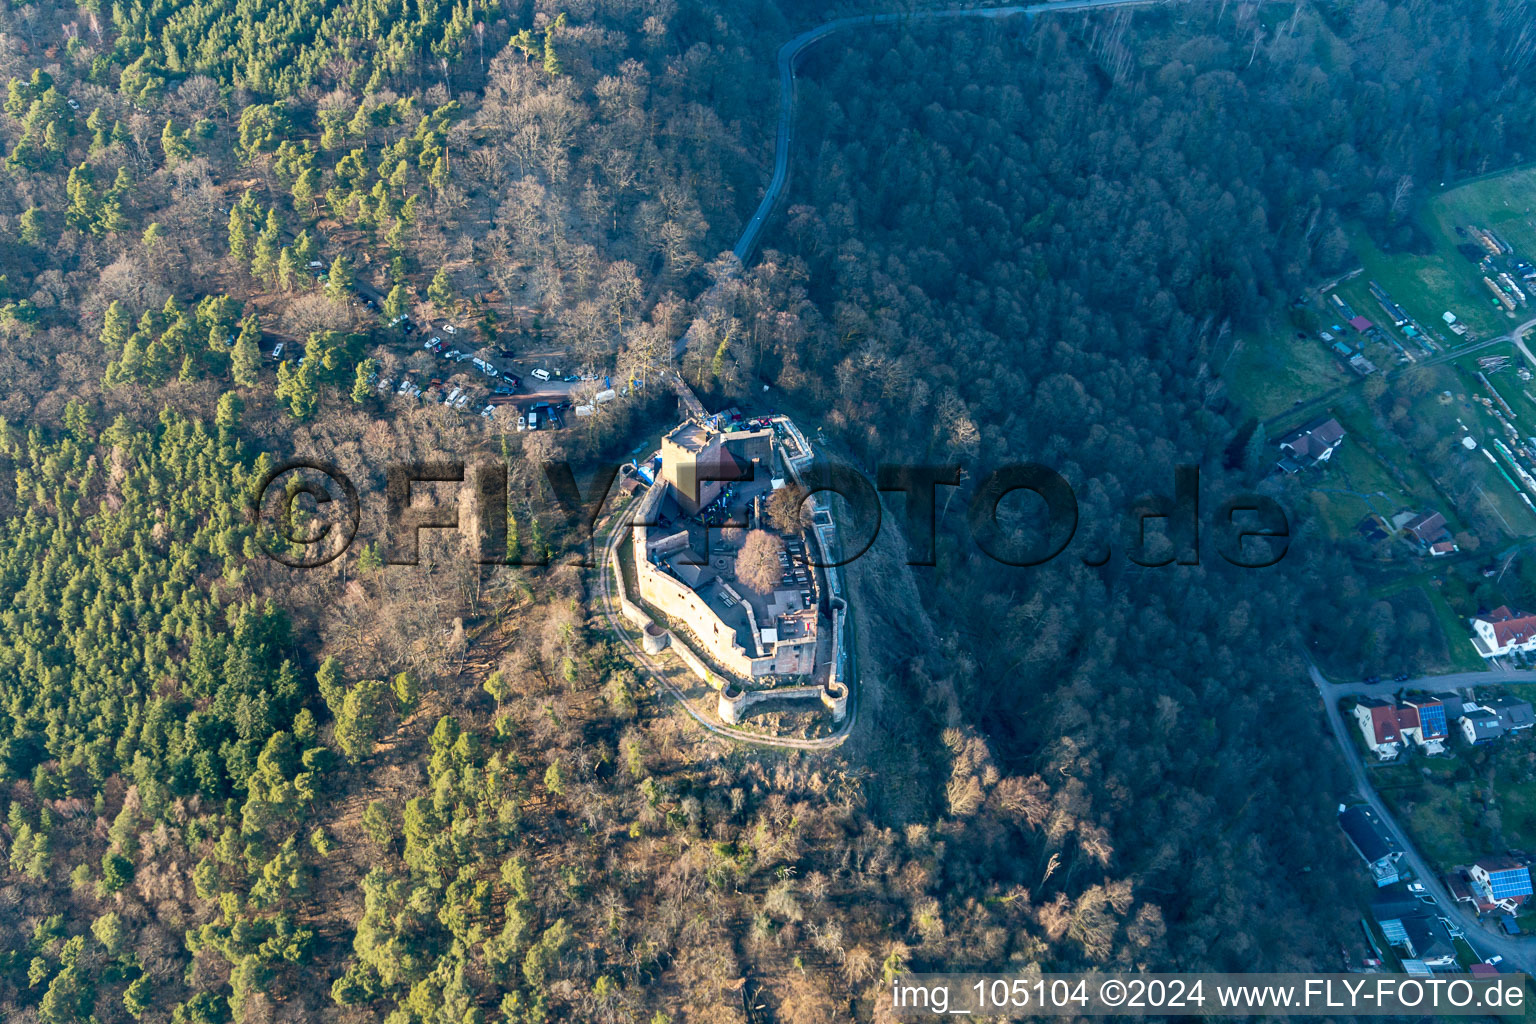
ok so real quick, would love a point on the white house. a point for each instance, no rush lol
(1378, 722)
(1503, 632)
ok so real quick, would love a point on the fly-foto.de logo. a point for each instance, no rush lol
(308, 513)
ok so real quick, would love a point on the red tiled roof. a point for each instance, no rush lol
(1407, 718)
(1514, 631)
(1361, 324)
(1384, 721)
(1510, 627)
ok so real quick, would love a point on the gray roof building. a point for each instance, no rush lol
(1514, 713)
(1372, 841)
(1481, 726)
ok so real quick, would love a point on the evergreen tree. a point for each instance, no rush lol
(32, 226)
(338, 282)
(362, 385)
(440, 291)
(246, 356)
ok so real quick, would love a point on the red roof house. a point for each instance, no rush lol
(1503, 631)
(1381, 726)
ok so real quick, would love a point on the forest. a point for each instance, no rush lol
(233, 791)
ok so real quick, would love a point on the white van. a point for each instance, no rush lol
(541, 374)
(533, 420)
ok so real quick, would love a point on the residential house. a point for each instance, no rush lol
(1479, 725)
(1372, 842)
(1432, 730)
(1309, 444)
(1389, 906)
(1429, 531)
(1514, 714)
(1502, 632)
(1502, 883)
(1452, 703)
(1412, 928)
(1428, 941)
(1378, 722)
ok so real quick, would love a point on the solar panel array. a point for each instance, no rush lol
(1432, 721)
(1393, 929)
(1510, 882)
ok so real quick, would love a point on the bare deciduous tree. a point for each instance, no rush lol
(757, 564)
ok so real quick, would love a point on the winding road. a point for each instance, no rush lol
(791, 51)
(1518, 951)
(750, 235)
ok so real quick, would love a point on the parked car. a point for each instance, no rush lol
(522, 423)
(571, 378)
(450, 330)
(541, 374)
(277, 350)
(488, 412)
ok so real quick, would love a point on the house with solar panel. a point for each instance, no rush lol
(1431, 732)
(1500, 883)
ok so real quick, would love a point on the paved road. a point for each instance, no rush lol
(1485, 936)
(790, 52)
(1449, 681)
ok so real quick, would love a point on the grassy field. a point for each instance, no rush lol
(1406, 423)
(1438, 810)
(1504, 202)
(1429, 283)
(1426, 285)
(1272, 369)
(1456, 812)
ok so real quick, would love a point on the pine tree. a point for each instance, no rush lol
(298, 388)
(246, 357)
(287, 268)
(440, 291)
(239, 235)
(362, 385)
(338, 282)
(32, 226)
(552, 63)
(397, 302)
